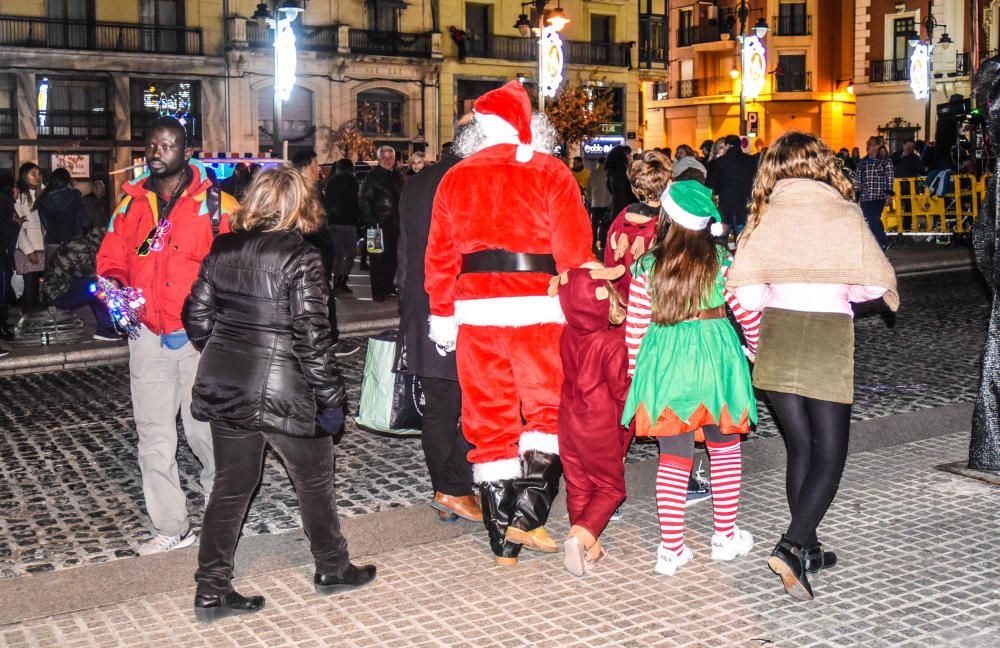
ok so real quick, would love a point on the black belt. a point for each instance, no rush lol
(504, 261)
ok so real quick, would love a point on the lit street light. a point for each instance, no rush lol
(284, 59)
(755, 55)
(550, 56)
(921, 63)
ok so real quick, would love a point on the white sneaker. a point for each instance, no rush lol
(667, 562)
(738, 546)
(161, 543)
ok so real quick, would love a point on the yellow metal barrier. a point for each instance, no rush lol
(916, 211)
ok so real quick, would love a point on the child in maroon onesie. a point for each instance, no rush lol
(632, 231)
(592, 441)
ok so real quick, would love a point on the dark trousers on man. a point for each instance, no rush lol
(79, 295)
(445, 447)
(872, 209)
(239, 464)
(382, 266)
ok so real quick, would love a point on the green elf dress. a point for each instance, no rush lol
(693, 373)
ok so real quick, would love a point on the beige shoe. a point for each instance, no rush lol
(538, 539)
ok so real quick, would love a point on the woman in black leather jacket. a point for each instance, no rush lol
(267, 376)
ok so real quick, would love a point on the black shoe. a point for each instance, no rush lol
(353, 578)
(786, 562)
(212, 607)
(363, 265)
(498, 498)
(815, 558)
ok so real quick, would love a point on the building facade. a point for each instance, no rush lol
(86, 77)
(805, 75)
(885, 100)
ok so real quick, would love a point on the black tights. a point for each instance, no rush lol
(816, 433)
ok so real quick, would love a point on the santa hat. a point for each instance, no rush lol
(689, 204)
(504, 115)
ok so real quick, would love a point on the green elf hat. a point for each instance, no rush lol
(689, 204)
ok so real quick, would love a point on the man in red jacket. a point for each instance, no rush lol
(156, 240)
(505, 220)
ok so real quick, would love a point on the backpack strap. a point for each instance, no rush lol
(214, 199)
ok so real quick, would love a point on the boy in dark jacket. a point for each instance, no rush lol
(343, 214)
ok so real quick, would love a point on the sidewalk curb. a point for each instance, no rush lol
(59, 592)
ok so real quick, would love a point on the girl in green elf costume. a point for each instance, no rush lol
(690, 377)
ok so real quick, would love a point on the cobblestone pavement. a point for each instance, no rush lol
(70, 491)
(914, 571)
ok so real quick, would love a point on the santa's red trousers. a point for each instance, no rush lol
(511, 381)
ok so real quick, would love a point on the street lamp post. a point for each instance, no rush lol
(930, 24)
(284, 57)
(557, 18)
(760, 29)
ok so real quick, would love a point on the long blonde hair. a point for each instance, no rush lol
(795, 155)
(279, 199)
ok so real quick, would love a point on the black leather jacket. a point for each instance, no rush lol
(258, 314)
(380, 197)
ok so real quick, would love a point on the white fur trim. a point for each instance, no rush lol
(717, 227)
(683, 218)
(509, 311)
(443, 331)
(539, 441)
(497, 130)
(524, 153)
(496, 470)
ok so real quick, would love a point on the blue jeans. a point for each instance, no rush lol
(79, 295)
(872, 209)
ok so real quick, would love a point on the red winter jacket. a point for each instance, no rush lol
(165, 277)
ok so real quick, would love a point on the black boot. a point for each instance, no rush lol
(815, 558)
(352, 578)
(786, 562)
(212, 607)
(6, 332)
(536, 491)
(497, 505)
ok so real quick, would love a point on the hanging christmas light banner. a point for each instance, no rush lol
(754, 66)
(552, 62)
(919, 60)
(285, 58)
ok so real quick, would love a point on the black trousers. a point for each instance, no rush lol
(445, 447)
(382, 266)
(816, 436)
(31, 299)
(239, 464)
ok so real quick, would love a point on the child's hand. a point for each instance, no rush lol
(751, 355)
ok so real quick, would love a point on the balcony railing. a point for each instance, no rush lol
(513, 48)
(369, 41)
(963, 63)
(794, 82)
(697, 34)
(69, 123)
(19, 31)
(314, 39)
(792, 25)
(710, 86)
(8, 122)
(890, 70)
(653, 52)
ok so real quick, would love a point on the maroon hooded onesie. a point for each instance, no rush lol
(592, 442)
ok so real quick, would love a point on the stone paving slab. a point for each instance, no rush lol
(915, 571)
(71, 495)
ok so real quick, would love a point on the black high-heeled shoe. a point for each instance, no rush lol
(212, 607)
(786, 562)
(816, 558)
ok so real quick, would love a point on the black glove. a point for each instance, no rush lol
(330, 420)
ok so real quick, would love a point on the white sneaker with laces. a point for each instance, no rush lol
(667, 562)
(724, 548)
(161, 543)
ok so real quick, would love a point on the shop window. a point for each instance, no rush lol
(152, 98)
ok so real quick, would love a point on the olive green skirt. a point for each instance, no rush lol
(809, 354)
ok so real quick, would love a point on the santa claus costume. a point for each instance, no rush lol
(505, 221)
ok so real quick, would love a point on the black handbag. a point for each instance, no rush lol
(407, 393)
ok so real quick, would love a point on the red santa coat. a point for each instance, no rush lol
(507, 353)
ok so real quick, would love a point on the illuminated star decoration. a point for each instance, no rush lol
(124, 305)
